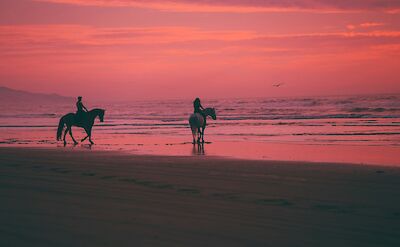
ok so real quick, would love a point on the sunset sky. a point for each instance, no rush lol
(145, 49)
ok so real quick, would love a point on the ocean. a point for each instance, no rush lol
(347, 129)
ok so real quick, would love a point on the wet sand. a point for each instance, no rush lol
(63, 197)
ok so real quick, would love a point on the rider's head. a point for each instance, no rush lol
(79, 98)
(197, 99)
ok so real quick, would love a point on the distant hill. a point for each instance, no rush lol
(8, 95)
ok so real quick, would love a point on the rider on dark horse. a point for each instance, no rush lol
(81, 113)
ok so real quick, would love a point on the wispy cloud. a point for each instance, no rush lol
(393, 11)
(351, 27)
(371, 24)
(364, 25)
(246, 6)
(36, 35)
(26, 40)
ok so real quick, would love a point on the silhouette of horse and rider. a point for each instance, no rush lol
(84, 118)
(198, 120)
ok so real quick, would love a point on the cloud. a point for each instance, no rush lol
(393, 11)
(72, 40)
(364, 25)
(80, 35)
(90, 36)
(95, 36)
(371, 24)
(246, 6)
(351, 27)
(144, 45)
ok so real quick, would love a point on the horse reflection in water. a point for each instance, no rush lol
(198, 149)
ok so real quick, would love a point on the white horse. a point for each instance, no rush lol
(198, 123)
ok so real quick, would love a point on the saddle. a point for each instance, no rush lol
(81, 117)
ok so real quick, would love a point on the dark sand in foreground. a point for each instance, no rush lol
(80, 198)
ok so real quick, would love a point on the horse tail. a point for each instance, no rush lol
(60, 128)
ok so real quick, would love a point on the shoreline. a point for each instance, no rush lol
(61, 197)
(85, 149)
(253, 151)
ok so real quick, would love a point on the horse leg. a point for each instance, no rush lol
(194, 135)
(202, 135)
(198, 135)
(87, 135)
(90, 135)
(65, 133)
(84, 138)
(90, 140)
(70, 133)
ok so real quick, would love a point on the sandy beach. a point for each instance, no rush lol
(61, 197)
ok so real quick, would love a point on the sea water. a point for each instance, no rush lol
(355, 129)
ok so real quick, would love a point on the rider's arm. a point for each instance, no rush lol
(201, 107)
(84, 108)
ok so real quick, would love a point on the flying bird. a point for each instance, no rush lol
(278, 84)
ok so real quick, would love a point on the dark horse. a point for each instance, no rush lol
(198, 123)
(70, 120)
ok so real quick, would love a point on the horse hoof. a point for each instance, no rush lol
(75, 143)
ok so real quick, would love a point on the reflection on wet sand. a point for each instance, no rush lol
(179, 145)
(198, 149)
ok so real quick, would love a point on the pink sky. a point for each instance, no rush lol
(127, 49)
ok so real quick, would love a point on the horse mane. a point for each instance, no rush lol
(209, 110)
(97, 109)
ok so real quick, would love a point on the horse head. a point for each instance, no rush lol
(97, 113)
(211, 112)
(101, 115)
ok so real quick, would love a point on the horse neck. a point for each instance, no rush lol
(93, 114)
(207, 111)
